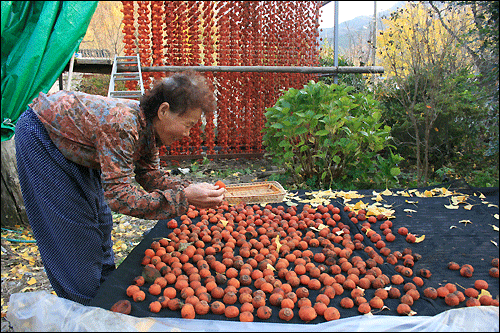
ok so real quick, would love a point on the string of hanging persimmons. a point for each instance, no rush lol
(226, 33)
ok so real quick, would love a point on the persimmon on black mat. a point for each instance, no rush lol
(446, 240)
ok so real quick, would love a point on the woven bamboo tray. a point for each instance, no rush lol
(254, 193)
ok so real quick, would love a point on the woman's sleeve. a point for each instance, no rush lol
(151, 176)
(117, 142)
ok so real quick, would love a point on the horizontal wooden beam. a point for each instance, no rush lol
(91, 65)
(258, 69)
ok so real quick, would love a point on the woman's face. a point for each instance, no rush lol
(170, 127)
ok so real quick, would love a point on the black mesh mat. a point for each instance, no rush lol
(445, 240)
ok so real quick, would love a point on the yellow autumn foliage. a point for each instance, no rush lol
(417, 37)
(105, 29)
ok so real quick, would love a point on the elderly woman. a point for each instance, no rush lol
(77, 155)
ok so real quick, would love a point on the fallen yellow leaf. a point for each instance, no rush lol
(494, 227)
(271, 267)
(359, 205)
(278, 244)
(386, 192)
(419, 239)
(468, 207)
(451, 206)
(31, 281)
(483, 292)
(459, 199)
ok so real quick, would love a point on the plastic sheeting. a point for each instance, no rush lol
(38, 40)
(42, 311)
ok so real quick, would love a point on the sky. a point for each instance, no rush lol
(351, 9)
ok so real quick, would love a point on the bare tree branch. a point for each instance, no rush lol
(477, 59)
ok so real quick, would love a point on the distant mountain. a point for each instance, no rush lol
(356, 30)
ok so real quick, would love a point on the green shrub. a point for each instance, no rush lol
(461, 137)
(328, 137)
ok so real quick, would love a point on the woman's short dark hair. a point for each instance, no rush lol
(183, 91)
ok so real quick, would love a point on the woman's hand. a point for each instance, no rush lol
(204, 195)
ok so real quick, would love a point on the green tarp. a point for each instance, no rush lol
(38, 40)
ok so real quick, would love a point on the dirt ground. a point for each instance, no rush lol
(22, 268)
(231, 171)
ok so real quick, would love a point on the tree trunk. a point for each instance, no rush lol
(414, 122)
(419, 161)
(426, 155)
(13, 211)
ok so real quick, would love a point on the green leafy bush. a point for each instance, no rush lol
(461, 136)
(325, 136)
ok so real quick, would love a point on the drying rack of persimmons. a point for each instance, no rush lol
(315, 257)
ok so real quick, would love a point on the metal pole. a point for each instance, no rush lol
(70, 73)
(258, 69)
(374, 38)
(336, 41)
